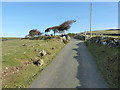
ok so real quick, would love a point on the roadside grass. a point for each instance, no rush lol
(107, 59)
(15, 55)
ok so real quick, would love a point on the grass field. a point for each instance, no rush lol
(106, 36)
(18, 69)
(107, 61)
(107, 31)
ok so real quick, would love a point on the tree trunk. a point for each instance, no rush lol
(54, 33)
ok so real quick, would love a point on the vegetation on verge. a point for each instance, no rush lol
(17, 66)
(107, 59)
(25, 58)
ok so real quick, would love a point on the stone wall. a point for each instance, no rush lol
(109, 41)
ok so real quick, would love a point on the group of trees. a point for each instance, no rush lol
(33, 33)
(65, 26)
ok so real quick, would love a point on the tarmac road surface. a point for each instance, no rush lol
(73, 67)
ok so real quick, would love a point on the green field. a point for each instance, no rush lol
(107, 31)
(17, 60)
(106, 36)
(107, 61)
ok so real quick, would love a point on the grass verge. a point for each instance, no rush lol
(19, 74)
(107, 59)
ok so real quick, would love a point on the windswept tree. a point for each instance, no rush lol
(65, 26)
(61, 28)
(47, 30)
(54, 28)
(34, 32)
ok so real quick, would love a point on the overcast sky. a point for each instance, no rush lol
(20, 17)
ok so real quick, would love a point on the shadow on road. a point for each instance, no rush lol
(78, 58)
(87, 71)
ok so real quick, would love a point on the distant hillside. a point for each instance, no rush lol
(109, 31)
(9, 38)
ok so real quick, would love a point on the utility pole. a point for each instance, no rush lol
(90, 19)
(85, 35)
(90, 22)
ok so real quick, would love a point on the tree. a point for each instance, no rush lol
(54, 28)
(34, 32)
(47, 30)
(65, 26)
(61, 28)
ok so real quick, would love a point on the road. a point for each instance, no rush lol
(73, 67)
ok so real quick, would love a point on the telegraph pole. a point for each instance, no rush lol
(90, 22)
(90, 19)
(85, 35)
